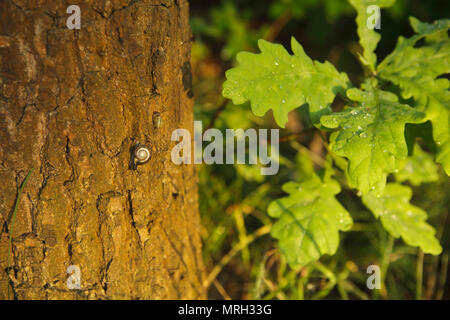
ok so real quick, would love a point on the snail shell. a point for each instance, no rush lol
(141, 154)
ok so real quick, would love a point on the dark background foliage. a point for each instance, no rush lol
(241, 258)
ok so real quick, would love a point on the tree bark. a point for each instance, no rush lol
(73, 103)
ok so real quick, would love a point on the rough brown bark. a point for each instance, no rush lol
(72, 104)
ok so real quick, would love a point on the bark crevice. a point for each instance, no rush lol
(72, 105)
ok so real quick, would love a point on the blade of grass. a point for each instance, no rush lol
(419, 275)
(331, 281)
(242, 233)
(443, 276)
(386, 260)
(249, 239)
(350, 287)
(221, 290)
(13, 219)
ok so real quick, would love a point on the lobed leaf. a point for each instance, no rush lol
(418, 168)
(371, 136)
(416, 70)
(309, 219)
(274, 79)
(402, 219)
(368, 38)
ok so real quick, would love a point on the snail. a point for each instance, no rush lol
(140, 154)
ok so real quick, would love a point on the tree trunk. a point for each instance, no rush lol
(73, 104)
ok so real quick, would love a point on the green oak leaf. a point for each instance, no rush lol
(430, 59)
(309, 219)
(274, 79)
(402, 219)
(371, 136)
(437, 109)
(368, 38)
(418, 169)
(416, 70)
(433, 98)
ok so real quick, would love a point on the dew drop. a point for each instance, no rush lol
(363, 135)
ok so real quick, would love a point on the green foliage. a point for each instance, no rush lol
(416, 69)
(309, 219)
(226, 24)
(371, 136)
(400, 218)
(276, 80)
(367, 138)
(368, 38)
(234, 199)
(300, 9)
(417, 169)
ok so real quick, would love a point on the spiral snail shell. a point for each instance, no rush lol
(141, 154)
